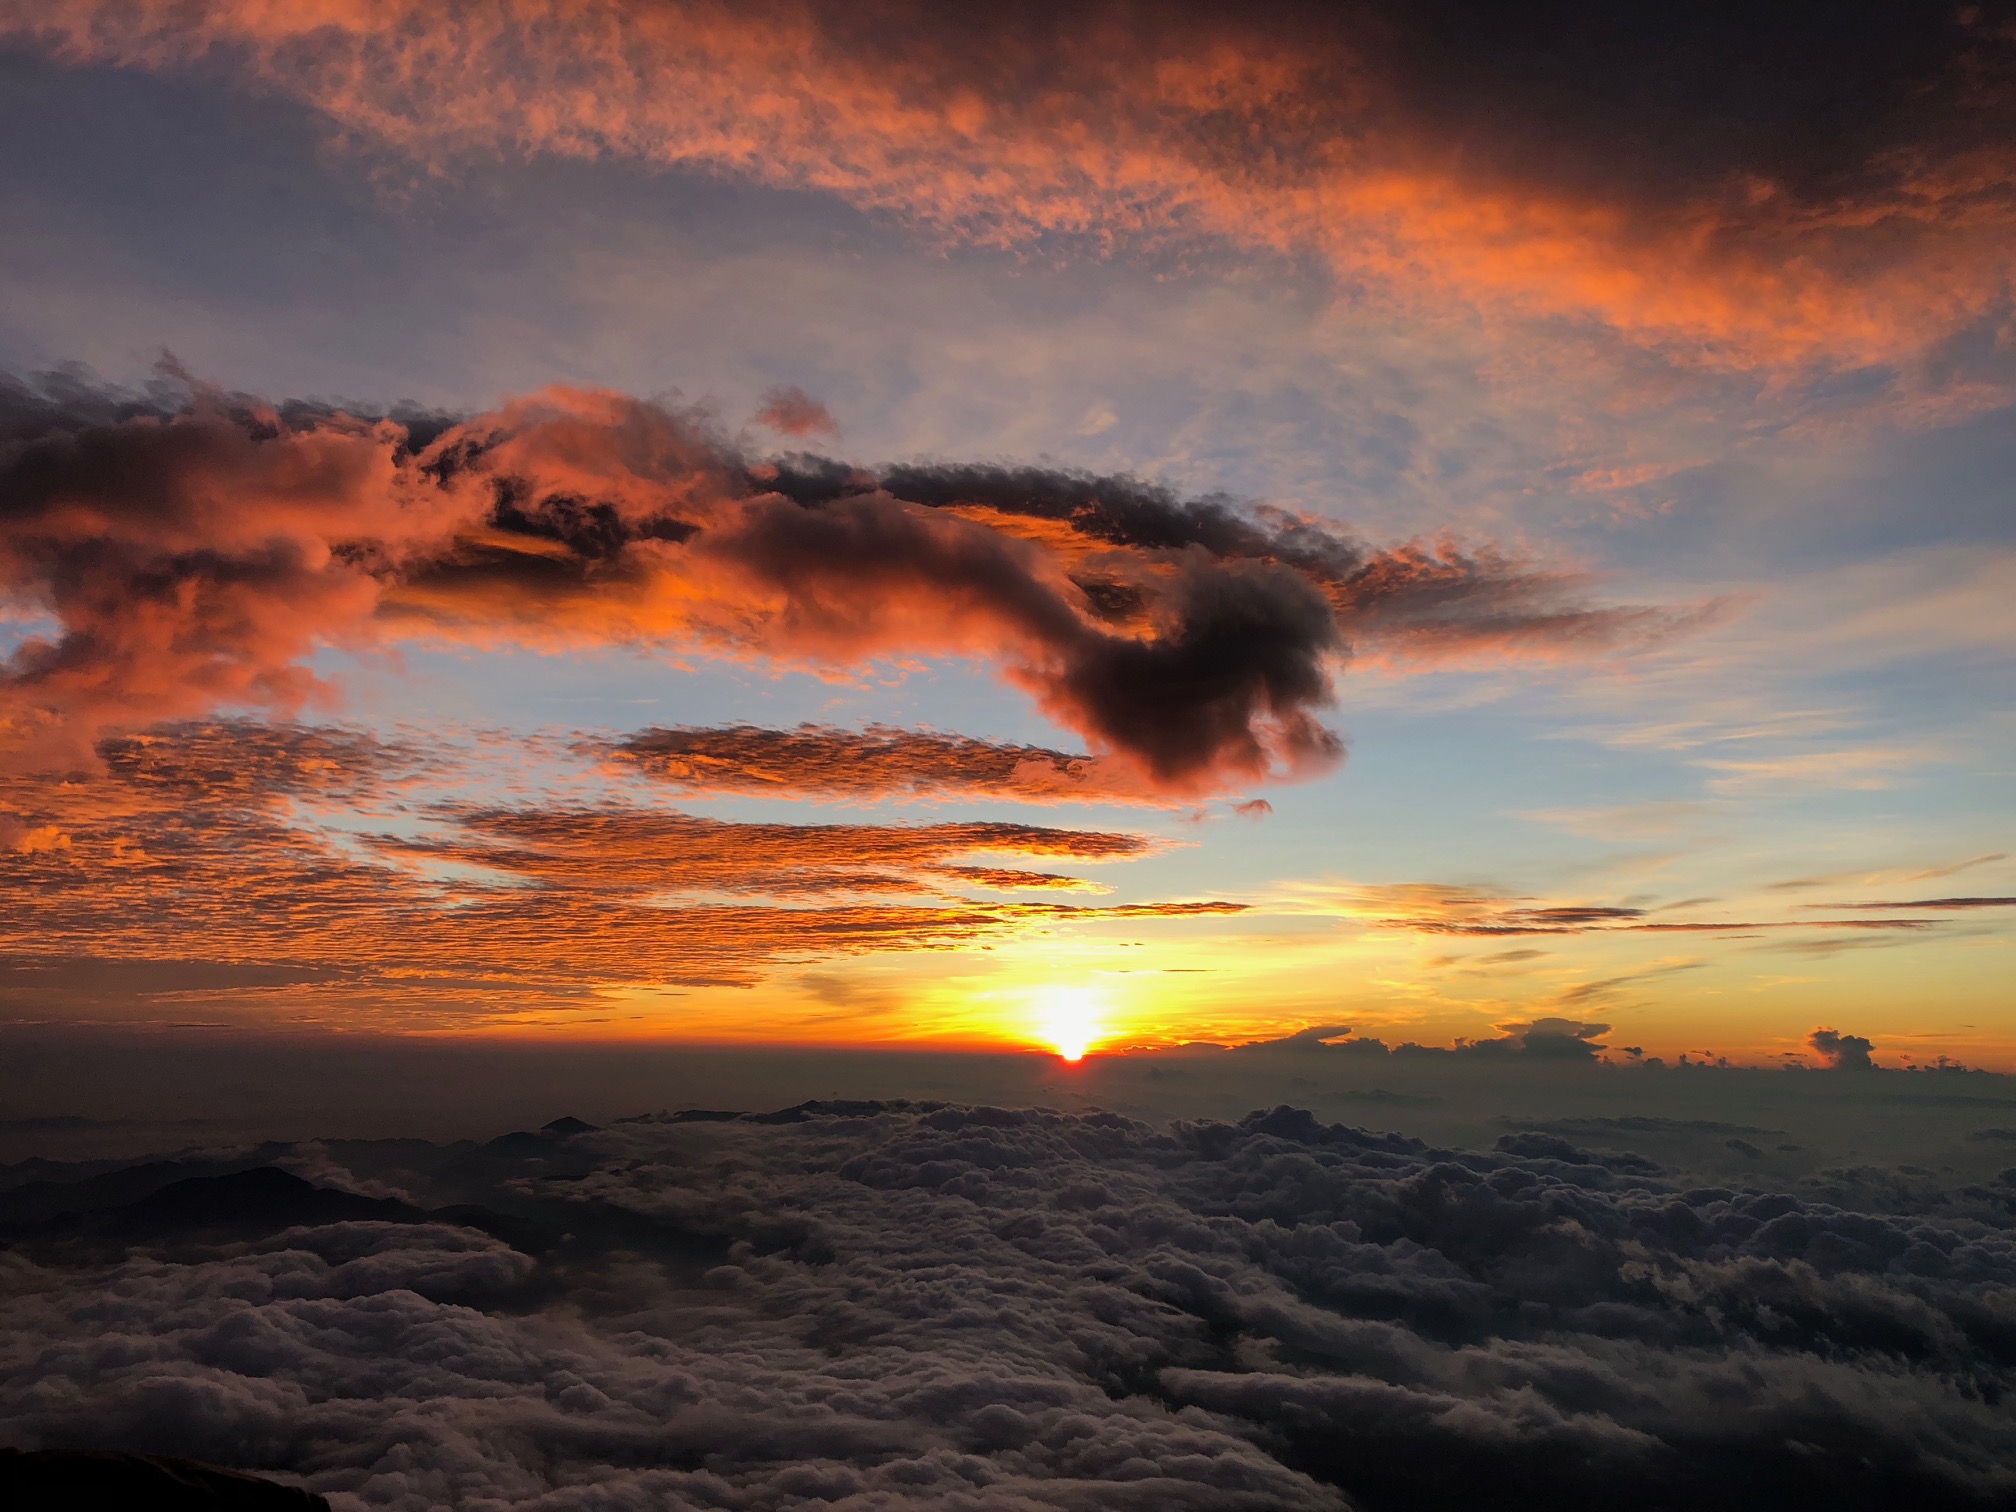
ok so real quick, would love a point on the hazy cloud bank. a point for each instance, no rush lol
(1749, 187)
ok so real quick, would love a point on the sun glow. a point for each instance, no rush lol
(1069, 1019)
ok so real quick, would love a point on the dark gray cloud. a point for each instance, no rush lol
(1426, 598)
(897, 1305)
(1552, 1039)
(1844, 1052)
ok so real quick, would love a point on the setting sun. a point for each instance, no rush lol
(1069, 1019)
(926, 754)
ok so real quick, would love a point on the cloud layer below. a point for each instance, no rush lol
(921, 1305)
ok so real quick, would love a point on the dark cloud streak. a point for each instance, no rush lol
(1941, 904)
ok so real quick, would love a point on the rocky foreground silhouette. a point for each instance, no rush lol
(75, 1480)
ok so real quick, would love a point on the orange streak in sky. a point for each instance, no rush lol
(198, 844)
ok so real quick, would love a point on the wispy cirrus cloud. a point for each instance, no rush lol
(1433, 908)
(230, 862)
(637, 852)
(1868, 768)
(1941, 905)
(1659, 819)
(875, 764)
(1583, 995)
(1887, 876)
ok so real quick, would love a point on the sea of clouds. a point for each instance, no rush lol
(910, 1305)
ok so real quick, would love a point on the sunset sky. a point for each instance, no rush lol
(1048, 526)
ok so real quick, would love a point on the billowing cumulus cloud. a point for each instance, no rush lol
(919, 1305)
(188, 564)
(1745, 186)
(1844, 1052)
(1554, 1038)
(194, 554)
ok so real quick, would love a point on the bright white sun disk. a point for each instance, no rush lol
(1069, 1020)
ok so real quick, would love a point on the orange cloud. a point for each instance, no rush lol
(199, 860)
(818, 761)
(190, 563)
(793, 412)
(1750, 188)
(194, 557)
(653, 853)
